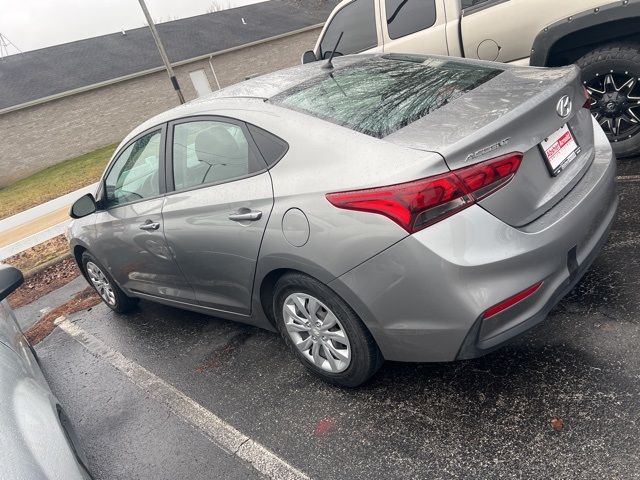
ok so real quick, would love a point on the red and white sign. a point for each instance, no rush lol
(559, 149)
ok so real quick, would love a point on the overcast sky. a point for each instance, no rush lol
(31, 24)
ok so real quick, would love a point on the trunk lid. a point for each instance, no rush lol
(513, 112)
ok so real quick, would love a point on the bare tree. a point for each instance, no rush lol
(167, 18)
(218, 5)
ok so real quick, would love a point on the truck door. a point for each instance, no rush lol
(414, 26)
(498, 30)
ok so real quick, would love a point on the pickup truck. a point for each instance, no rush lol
(601, 36)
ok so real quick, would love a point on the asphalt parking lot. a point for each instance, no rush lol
(484, 418)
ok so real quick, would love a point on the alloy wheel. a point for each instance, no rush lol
(615, 103)
(101, 283)
(316, 332)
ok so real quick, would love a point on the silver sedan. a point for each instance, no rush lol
(396, 207)
(36, 438)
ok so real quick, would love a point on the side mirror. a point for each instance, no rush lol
(10, 279)
(308, 57)
(85, 205)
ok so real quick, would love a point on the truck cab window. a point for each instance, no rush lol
(471, 3)
(358, 22)
(405, 17)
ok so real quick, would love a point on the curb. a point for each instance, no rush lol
(40, 268)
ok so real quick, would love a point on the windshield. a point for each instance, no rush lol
(383, 94)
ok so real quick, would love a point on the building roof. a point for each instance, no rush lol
(38, 74)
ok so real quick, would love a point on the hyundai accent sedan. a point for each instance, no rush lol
(408, 208)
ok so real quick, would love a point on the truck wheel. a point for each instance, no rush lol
(611, 74)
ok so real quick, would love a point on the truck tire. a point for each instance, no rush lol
(611, 74)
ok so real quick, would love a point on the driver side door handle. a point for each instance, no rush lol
(244, 215)
(149, 225)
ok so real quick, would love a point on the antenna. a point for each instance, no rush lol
(5, 43)
(329, 64)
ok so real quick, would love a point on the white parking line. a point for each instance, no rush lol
(210, 425)
(628, 178)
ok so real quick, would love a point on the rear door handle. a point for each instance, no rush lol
(149, 225)
(245, 215)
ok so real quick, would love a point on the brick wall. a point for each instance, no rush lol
(40, 136)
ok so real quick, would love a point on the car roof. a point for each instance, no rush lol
(257, 89)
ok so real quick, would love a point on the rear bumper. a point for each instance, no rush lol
(422, 298)
(475, 345)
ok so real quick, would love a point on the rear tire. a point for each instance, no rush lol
(333, 343)
(622, 61)
(111, 294)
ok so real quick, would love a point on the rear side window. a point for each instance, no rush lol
(405, 17)
(271, 147)
(210, 151)
(358, 22)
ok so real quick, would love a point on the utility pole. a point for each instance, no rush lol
(163, 54)
(5, 43)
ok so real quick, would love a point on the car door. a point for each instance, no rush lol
(215, 217)
(129, 238)
(358, 21)
(414, 26)
(499, 30)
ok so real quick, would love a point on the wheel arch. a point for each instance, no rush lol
(567, 40)
(265, 292)
(265, 298)
(264, 288)
(267, 286)
(77, 251)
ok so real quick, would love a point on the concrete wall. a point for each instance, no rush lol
(36, 137)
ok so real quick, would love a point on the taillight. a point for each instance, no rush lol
(419, 204)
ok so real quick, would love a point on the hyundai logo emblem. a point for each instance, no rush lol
(564, 106)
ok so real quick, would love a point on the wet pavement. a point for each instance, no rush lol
(29, 314)
(485, 418)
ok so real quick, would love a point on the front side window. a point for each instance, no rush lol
(210, 151)
(405, 17)
(358, 22)
(135, 174)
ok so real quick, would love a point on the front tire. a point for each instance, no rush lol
(611, 74)
(103, 283)
(324, 332)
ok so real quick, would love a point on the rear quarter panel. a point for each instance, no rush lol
(324, 158)
(514, 24)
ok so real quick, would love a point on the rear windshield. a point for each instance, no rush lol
(383, 94)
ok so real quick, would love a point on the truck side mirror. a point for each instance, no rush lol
(308, 57)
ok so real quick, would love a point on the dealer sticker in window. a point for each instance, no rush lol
(560, 149)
